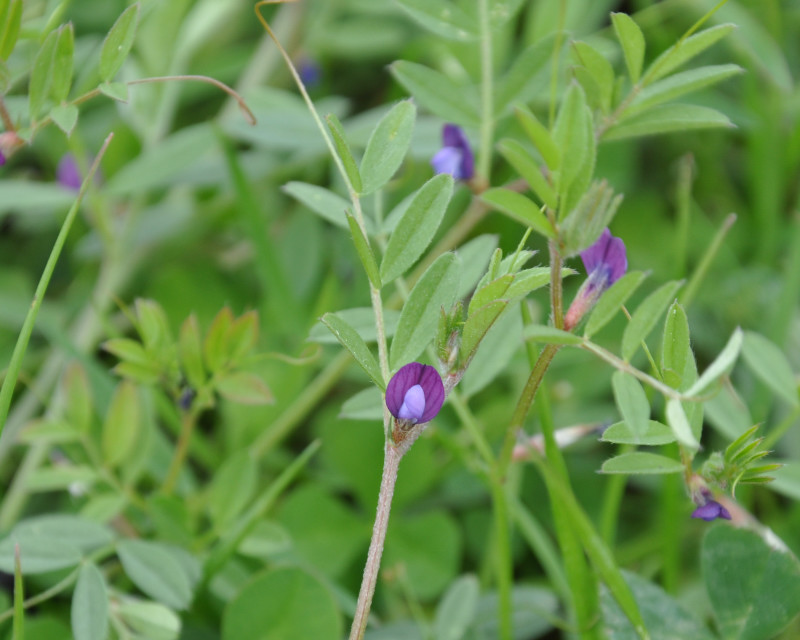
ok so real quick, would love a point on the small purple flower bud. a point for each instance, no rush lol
(415, 393)
(605, 262)
(455, 157)
(310, 72)
(710, 511)
(68, 174)
(2, 159)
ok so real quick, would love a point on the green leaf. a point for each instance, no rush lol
(677, 420)
(495, 350)
(442, 17)
(611, 301)
(571, 135)
(153, 325)
(321, 201)
(41, 82)
(489, 292)
(367, 404)
(540, 137)
(519, 158)
(655, 433)
(528, 72)
(122, 425)
(477, 325)
(646, 316)
(676, 350)
(641, 462)
(244, 387)
(417, 227)
(10, 21)
(681, 84)
(151, 620)
(475, 256)
(74, 530)
(155, 571)
(60, 478)
(215, 345)
(350, 340)
(364, 251)
(769, 363)
(754, 589)
(722, 364)
(282, 603)
(39, 555)
(62, 64)
(344, 152)
(387, 146)
(89, 613)
(684, 50)
(65, 116)
(232, 487)
(49, 432)
(519, 208)
(190, 352)
(550, 335)
(118, 43)
(115, 90)
(456, 610)
(242, 337)
(457, 103)
(631, 401)
(667, 118)
(418, 319)
(362, 319)
(77, 391)
(599, 70)
(632, 41)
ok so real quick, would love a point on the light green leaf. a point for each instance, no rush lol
(364, 251)
(457, 103)
(89, 613)
(645, 317)
(417, 227)
(477, 325)
(681, 84)
(639, 462)
(418, 319)
(571, 135)
(232, 487)
(722, 364)
(10, 21)
(122, 425)
(519, 208)
(667, 118)
(41, 81)
(611, 301)
(475, 256)
(61, 478)
(631, 401)
(156, 572)
(118, 43)
(115, 90)
(442, 17)
(74, 530)
(550, 335)
(321, 201)
(540, 137)
(243, 387)
(362, 319)
(654, 434)
(684, 50)
(387, 146)
(152, 620)
(367, 404)
(769, 363)
(350, 340)
(190, 352)
(39, 555)
(456, 609)
(344, 152)
(65, 116)
(519, 158)
(599, 69)
(632, 41)
(62, 64)
(676, 350)
(528, 72)
(677, 420)
(489, 292)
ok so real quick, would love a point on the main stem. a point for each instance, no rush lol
(391, 461)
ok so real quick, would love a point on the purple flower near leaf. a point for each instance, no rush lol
(455, 157)
(605, 262)
(68, 174)
(415, 393)
(710, 511)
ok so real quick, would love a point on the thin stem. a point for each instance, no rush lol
(700, 272)
(556, 286)
(188, 422)
(391, 462)
(487, 91)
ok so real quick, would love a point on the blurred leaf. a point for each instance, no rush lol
(364, 251)
(519, 158)
(65, 116)
(41, 82)
(677, 420)
(533, 609)
(321, 201)
(456, 609)
(282, 603)
(721, 365)
(769, 363)
(528, 71)
(350, 340)
(242, 337)
(646, 316)
(435, 290)
(680, 84)
(215, 345)
(367, 404)
(387, 146)
(153, 325)
(655, 433)
(520, 208)
(639, 462)
(61, 478)
(631, 401)
(455, 102)
(344, 152)
(550, 335)
(74, 530)
(540, 137)
(442, 17)
(38, 555)
(156, 572)
(18, 628)
(599, 69)
(10, 21)
(676, 348)
(115, 90)
(78, 410)
(572, 136)
(190, 350)
(152, 620)
(667, 118)
(494, 353)
(89, 613)
(49, 432)
(611, 301)
(62, 64)
(232, 488)
(632, 40)
(27, 195)
(362, 319)
(122, 426)
(684, 50)
(474, 256)
(118, 43)
(754, 589)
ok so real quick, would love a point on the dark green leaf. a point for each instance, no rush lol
(540, 137)
(477, 325)
(519, 158)
(41, 82)
(62, 65)
(344, 152)
(350, 340)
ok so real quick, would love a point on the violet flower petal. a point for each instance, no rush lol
(413, 404)
(710, 511)
(431, 387)
(458, 160)
(68, 174)
(447, 160)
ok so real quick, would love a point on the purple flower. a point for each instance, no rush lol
(68, 174)
(455, 157)
(415, 393)
(2, 159)
(605, 263)
(710, 511)
(310, 72)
